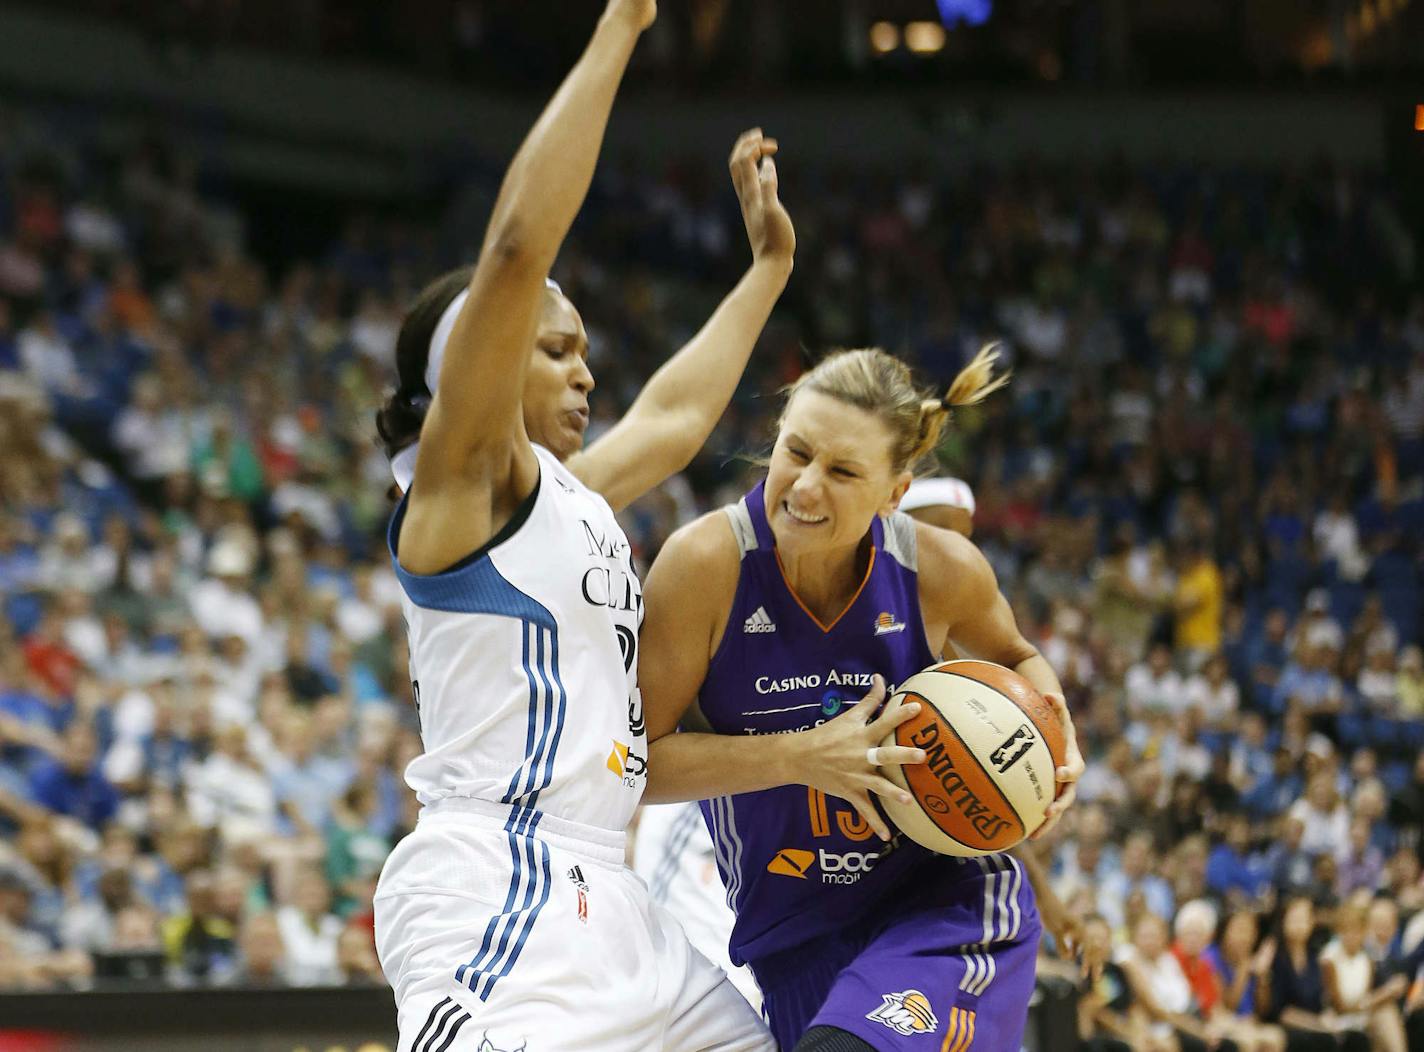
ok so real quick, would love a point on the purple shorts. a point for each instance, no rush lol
(947, 965)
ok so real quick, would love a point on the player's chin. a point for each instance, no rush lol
(570, 442)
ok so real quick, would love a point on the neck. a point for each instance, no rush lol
(826, 580)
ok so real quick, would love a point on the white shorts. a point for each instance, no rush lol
(673, 853)
(496, 941)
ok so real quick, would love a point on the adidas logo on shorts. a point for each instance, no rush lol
(758, 622)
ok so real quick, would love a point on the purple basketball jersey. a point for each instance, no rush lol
(796, 863)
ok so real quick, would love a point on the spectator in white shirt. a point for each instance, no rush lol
(49, 360)
(153, 439)
(1213, 694)
(65, 563)
(358, 617)
(310, 932)
(1378, 682)
(221, 604)
(1324, 814)
(230, 791)
(1338, 538)
(1154, 685)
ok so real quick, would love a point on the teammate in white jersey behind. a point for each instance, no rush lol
(507, 919)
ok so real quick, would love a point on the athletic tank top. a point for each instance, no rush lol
(795, 863)
(524, 661)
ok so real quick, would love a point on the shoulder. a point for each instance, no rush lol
(952, 569)
(707, 545)
(697, 570)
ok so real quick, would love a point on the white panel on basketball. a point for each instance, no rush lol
(996, 732)
(1002, 736)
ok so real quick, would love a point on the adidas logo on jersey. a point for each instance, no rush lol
(758, 622)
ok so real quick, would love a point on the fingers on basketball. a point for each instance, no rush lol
(861, 802)
(884, 787)
(888, 721)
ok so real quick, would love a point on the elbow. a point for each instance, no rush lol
(512, 246)
(506, 244)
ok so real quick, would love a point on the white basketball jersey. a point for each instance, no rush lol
(524, 660)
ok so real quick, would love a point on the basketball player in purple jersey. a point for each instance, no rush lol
(765, 621)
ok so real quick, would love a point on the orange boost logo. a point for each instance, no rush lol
(792, 862)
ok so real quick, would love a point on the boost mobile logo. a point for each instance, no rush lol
(836, 867)
(792, 862)
(625, 764)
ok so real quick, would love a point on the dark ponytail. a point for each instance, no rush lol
(398, 422)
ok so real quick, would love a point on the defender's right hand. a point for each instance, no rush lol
(836, 759)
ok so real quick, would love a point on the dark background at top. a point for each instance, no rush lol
(514, 45)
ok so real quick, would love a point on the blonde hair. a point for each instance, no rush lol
(880, 383)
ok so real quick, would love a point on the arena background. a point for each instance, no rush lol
(1195, 224)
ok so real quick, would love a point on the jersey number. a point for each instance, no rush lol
(849, 821)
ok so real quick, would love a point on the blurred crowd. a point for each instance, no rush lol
(1203, 494)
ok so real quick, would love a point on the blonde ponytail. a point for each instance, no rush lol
(880, 383)
(976, 381)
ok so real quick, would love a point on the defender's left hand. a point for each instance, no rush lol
(1068, 774)
(769, 228)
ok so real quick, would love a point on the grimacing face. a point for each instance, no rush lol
(830, 474)
(557, 385)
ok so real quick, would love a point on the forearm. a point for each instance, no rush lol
(1380, 995)
(698, 381)
(550, 175)
(1040, 673)
(695, 766)
(1050, 906)
(1300, 1019)
(681, 404)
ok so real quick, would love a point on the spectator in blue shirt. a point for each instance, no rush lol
(1251, 757)
(1278, 790)
(306, 783)
(1289, 864)
(1266, 656)
(1240, 963)
(1134, 873)
(72, 784)
(1310, 680)
(29, 701)
(1232, 870)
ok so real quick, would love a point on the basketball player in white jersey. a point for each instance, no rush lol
(507, 918)
(941, 501)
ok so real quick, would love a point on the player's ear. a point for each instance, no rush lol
(902, 483)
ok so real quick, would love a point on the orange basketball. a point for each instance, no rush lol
(992, 745)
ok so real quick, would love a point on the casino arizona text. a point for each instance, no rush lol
(768, 685)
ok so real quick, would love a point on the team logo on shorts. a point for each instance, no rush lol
(485, 1046)
(906, 1013)
(576, 876)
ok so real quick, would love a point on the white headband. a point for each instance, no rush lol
(403, 463)
(938, 492)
